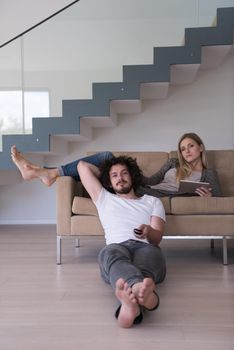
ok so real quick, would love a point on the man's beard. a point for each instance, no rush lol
(123, 190)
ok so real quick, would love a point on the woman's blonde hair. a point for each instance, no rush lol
(184, 169)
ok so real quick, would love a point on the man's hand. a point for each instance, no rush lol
(144, 231)
(154, 232)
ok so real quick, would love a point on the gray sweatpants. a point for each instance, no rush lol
(133, 261)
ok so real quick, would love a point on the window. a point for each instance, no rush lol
(14, 119)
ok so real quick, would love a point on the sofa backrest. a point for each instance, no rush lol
(221, 160)
(149, 162)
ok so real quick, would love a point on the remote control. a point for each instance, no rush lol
(137, 231)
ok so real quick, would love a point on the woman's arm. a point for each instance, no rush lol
(157, 177)
(211, 176)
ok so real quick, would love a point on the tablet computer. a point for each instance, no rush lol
(187, 186)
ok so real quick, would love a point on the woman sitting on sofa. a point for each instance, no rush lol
(190, 165)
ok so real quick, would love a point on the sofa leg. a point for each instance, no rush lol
(212, 243)
(59, 248)
(77, 242)
(225, 257)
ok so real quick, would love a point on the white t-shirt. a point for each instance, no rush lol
(119, 216)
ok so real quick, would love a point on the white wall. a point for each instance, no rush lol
(18, 16)
(206, 106)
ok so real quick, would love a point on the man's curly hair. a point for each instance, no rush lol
(132, 166)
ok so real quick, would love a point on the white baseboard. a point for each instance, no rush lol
(28, 222)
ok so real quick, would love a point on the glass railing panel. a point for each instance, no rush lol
(18, 105)
(10, 90)
(91, 41)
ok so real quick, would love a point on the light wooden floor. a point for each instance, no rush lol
(45, 306)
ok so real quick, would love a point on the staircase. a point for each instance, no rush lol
(203, 48)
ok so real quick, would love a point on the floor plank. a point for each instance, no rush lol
(46, 306)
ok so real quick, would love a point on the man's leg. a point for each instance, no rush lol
(145, 294)
(151, 262)
(115, 261)
(116, 268)
(129, 310)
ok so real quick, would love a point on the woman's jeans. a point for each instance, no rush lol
(70, 169)
(133, 261)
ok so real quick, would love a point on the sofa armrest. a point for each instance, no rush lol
(66, 189)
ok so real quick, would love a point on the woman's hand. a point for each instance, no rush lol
(203, 192)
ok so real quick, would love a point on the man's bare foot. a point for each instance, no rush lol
(30, 171)
(144, 293)
(129, 307)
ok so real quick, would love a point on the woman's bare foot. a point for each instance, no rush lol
(16, 154)
(129, 307)
(30, 171)
(144, 293)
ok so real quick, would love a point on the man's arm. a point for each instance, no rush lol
(89, 174)
(153, 232)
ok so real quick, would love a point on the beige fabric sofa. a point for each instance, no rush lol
(186, 217)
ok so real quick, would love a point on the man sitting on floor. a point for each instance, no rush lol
(131, 261)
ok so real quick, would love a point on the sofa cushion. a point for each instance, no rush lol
(202, 205)
(86, 225)
(167, 204)
(83, 206)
